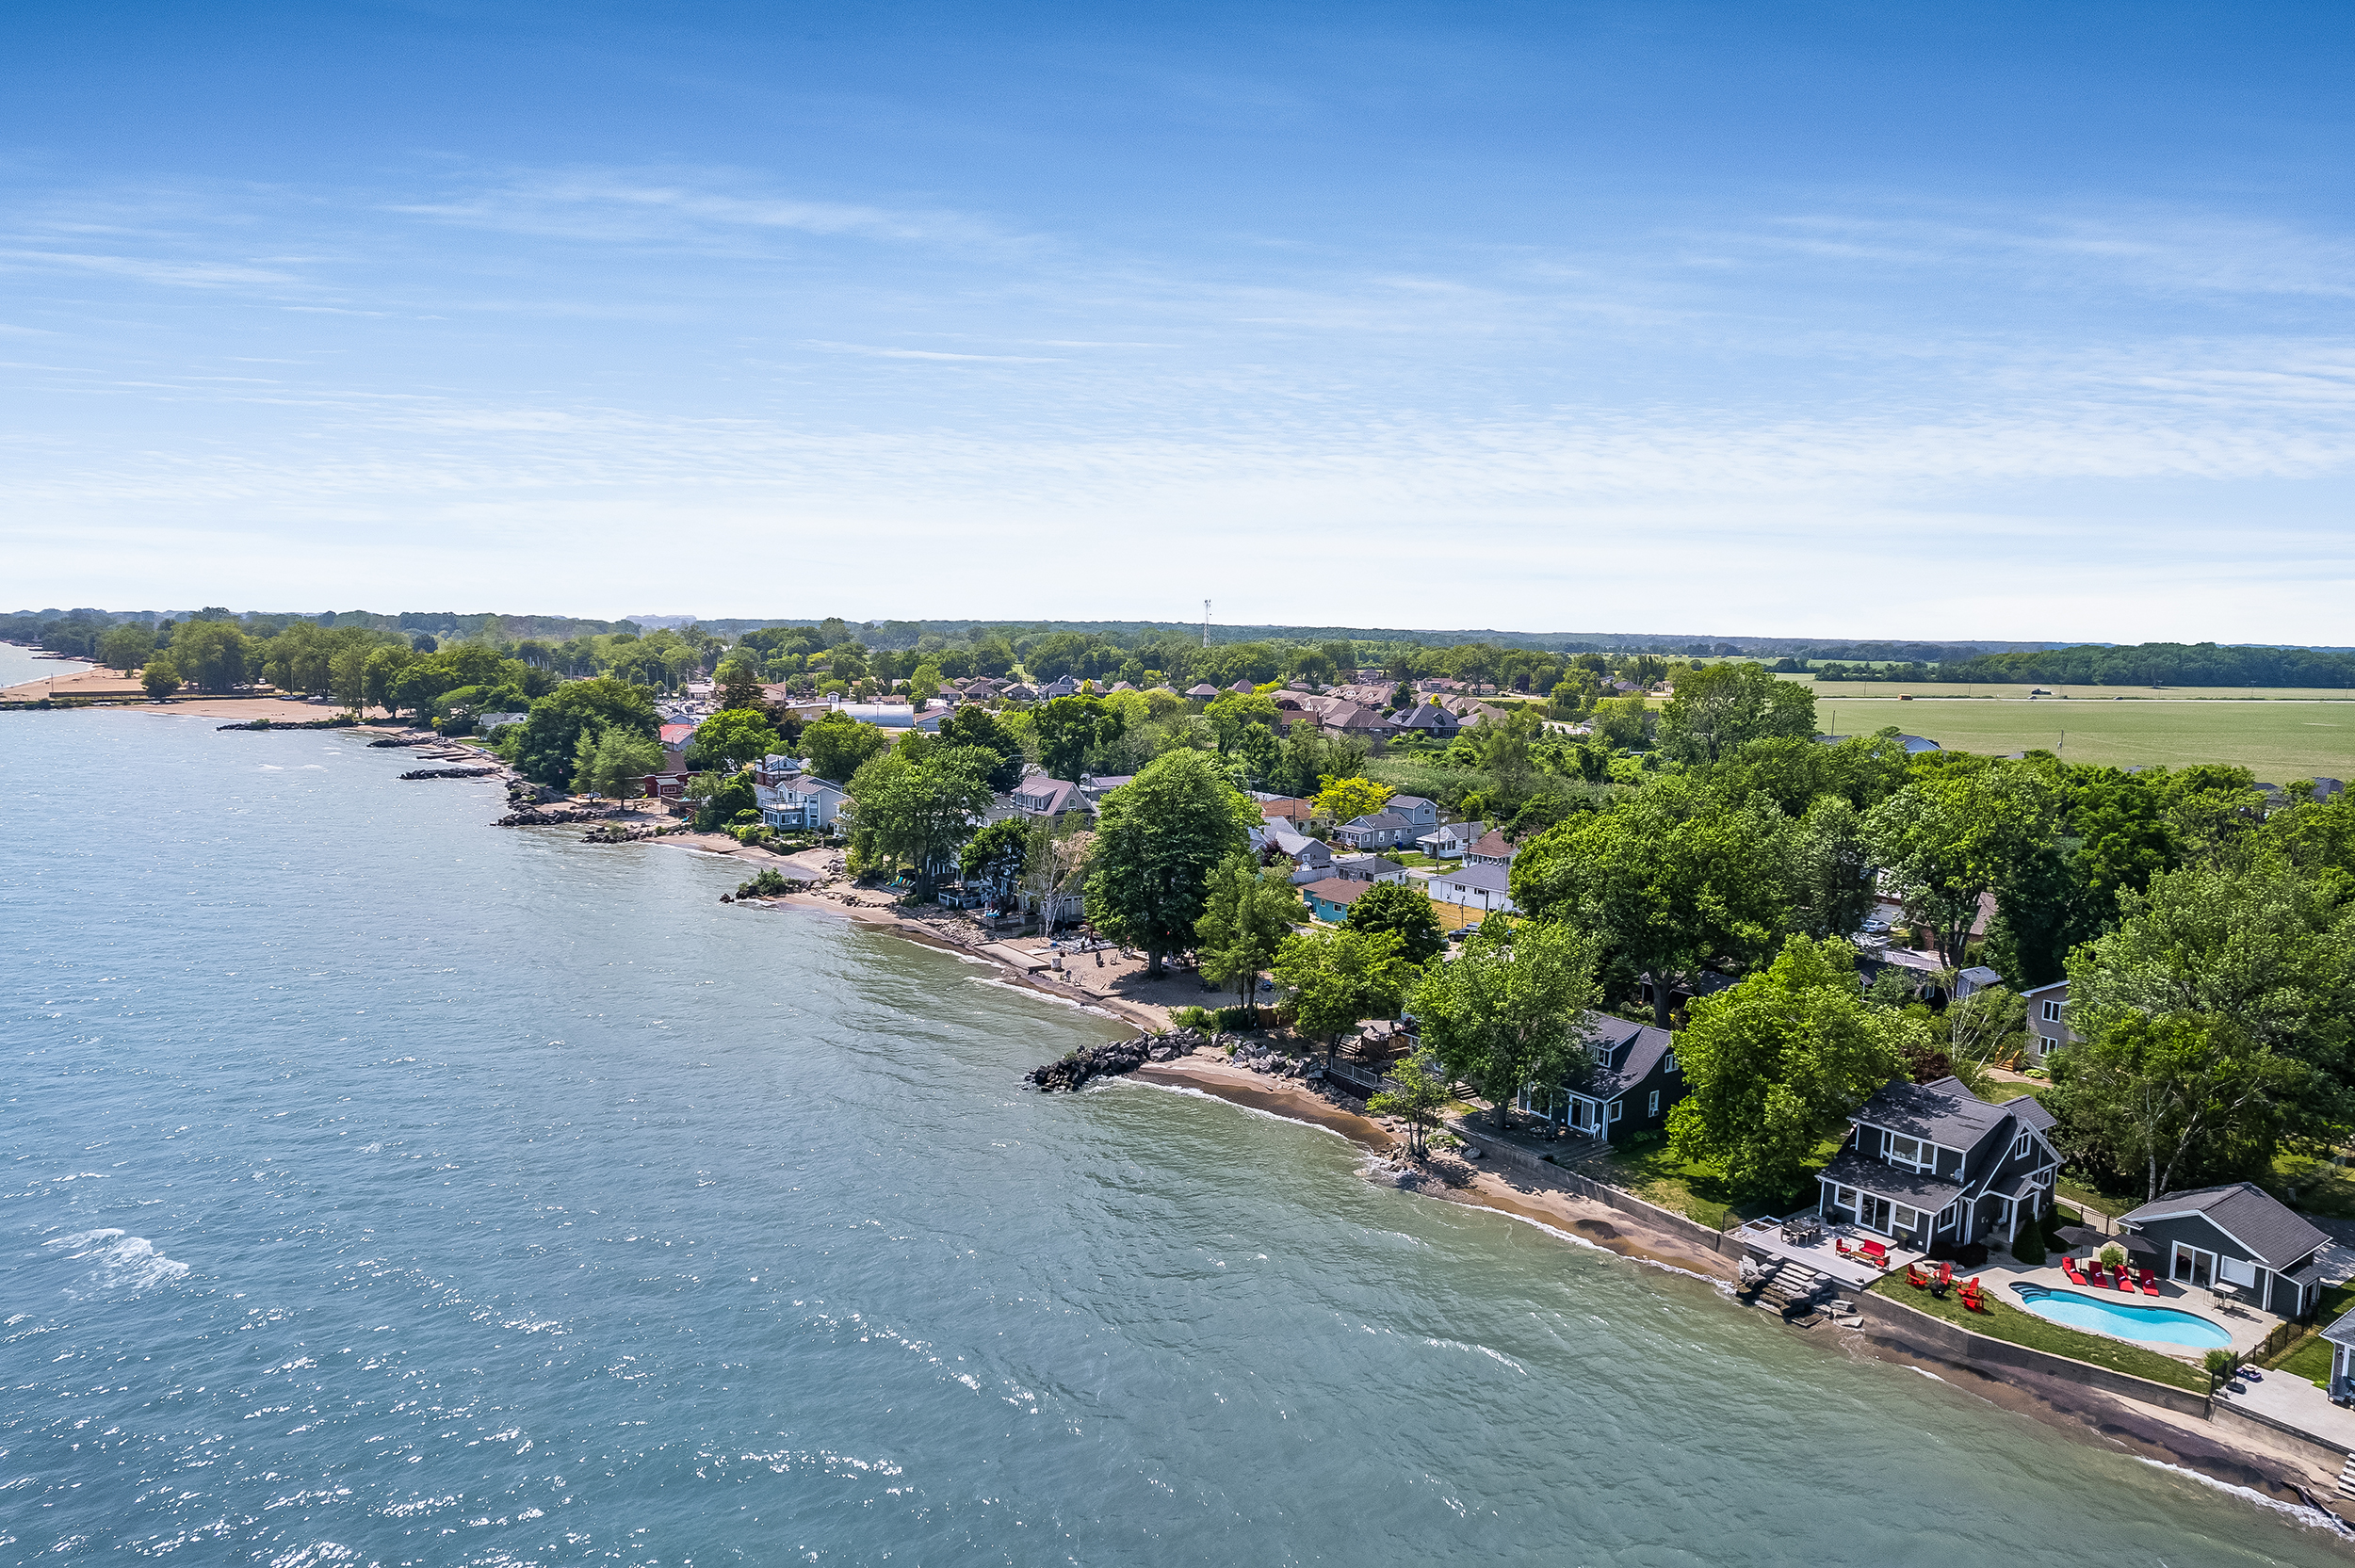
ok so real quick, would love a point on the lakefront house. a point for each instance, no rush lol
(2237, 1238)
(1934, 1166)
(1627, 1086)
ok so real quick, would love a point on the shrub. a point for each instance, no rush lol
(1192, 1018)
(2029, 1248)
(769, 884)
(2113, 1254)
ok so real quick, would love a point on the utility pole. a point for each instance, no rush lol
(1206, 623)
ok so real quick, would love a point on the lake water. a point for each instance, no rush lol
(387, 1188)
(18, 664)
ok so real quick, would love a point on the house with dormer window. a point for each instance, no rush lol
(1933, 1165)
(2048, 1019)
(1630, 1080)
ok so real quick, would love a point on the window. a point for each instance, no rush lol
(1615, 1110)
(1906, 1219)
(1655, 1104)
(1669, 1062)
(2052, 1012)
(1910, 1150)
(2019, 1150)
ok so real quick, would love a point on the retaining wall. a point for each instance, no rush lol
(2305, 1444)
(1915, 1329)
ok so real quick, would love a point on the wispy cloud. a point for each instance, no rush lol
(148, 268)
(679, 207)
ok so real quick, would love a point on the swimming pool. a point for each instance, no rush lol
(2123, 1319)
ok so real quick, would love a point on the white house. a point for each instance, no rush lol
(1482, 887)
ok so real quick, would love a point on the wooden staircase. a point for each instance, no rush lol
(2347, 1478)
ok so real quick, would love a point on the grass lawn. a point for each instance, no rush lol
(2309, 1356)
(2003, 1320)
(2278, 741)
(2084, 1197)
(2313, 1184)
(1828, 691)
(1654, 1173)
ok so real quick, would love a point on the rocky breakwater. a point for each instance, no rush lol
(449, 773)
(341, 722)
(1261, 1058)
(532, 817)
(1121, 1056)
(409, 738)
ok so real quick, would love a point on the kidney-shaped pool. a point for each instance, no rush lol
(2123, 1319)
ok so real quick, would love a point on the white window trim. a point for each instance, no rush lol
(1655, 1104)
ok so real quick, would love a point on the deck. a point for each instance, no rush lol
(1764, 1237)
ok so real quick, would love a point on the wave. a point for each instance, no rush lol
(2313, 1518)
(123, 1262)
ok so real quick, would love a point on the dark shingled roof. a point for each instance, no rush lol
(1943, 1112)
(2276, 1235)
(1915, 1190)
(2342, 1332)
(1625, 1053)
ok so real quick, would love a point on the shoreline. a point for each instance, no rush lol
(2236, 1462)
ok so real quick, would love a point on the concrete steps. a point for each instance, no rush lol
(1789, 1290)
(2347, 1478)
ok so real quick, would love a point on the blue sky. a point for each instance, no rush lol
(1795, 320)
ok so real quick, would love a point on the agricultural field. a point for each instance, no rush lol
(2277, 740)
(1827, 691)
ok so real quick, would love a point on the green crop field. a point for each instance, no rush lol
(2278, 741)
(1827, 691)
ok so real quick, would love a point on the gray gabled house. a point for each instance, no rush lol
(1630, 1082)
(2235, 1236)
(1932, 1165)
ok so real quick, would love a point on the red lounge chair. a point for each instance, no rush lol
(1969, 1296)
(1915, 1278)
(2125, 1279)
(2150, 1283)
(1945, 1278)
(2069, 1267)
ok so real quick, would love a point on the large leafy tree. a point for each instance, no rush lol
(548, 749)
(1672, 880)
(1773, 1064)
(2180, 1100)
(614, 761)
(1957, 834)
(1232, 714)
(1340, 976)
(1423, 1091)
(1246, 914)
(916, 810)
(1403, 910)
(1721, 707)
(1071, 727)
(1158, 838)
(730, 739)
(2258, 952)
(1345, 800)
(974, 725)
(995, 856)
(1511, 1008)
(837, 744)
(126, 647)
(1832, 870)
(210, 655)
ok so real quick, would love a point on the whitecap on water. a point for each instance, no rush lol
(122, 1262)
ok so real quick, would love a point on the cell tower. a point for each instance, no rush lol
(1206, 623)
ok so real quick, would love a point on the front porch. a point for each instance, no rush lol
(1774, 1239)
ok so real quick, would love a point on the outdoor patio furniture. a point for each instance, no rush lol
(1875, 1253)
(1917, 1278)
(1945, 1278)
(2150, 1283)
(1970, 1297)
(2069, 1267)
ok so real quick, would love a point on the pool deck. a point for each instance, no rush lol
(2246, 1325)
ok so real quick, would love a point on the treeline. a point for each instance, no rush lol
(2148, 664)
(2208, 939)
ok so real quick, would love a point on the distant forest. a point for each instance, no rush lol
(2147, 664)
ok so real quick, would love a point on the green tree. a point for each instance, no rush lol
(547, 752)
(1423, 1091)
(1721, 707)
(740, 683)
(1953, 837)
(971, 724)
(1246, 914)
(1158, 838)
(916, 810)
(2177, 1100)
(839, 744)
(924, 685)
(1832, 870)
(720, 799)
(1511, 1008)
(126, 647)
(996, 856)
(730, 739)
(1071, 727)
(1775, 1064)
(161, 677)
(1403, 910)
(1340, 976)
(1672, 880)
(210, 655)
(1345, 800)
(614, 761)
(1235, 711)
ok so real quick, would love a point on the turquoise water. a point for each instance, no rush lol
(384, 1188)
(2123, 1319)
